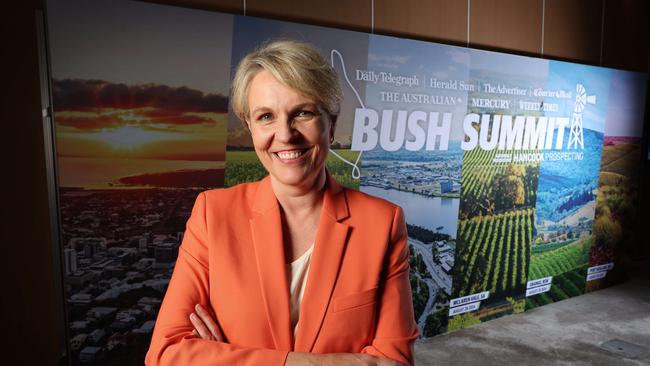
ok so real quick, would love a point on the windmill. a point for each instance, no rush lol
(576, 135)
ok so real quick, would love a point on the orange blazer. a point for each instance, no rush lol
(357, 297)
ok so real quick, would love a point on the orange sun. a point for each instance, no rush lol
(129, 137)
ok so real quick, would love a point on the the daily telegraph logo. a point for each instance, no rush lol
(517, 135)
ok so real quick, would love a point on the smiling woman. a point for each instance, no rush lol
(293, 269)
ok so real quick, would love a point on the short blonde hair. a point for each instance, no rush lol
(296, 64)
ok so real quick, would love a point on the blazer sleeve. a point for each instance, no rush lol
(172, 342)
(396, 329)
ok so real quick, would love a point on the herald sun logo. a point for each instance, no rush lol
(431, 130)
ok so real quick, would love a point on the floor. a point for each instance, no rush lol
(568, 332)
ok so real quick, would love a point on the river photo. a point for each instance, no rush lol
(438, 214)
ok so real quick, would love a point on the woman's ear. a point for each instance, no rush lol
(332, 126)
(247, 124)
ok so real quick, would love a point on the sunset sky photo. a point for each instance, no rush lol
(137, 89)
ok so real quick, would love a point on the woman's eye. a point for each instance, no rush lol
(304, 114)
(265, 117)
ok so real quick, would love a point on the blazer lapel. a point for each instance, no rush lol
(331, 239)
(266, 229)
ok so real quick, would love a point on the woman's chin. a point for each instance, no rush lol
(294, 177)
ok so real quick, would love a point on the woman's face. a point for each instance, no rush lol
(291, 132)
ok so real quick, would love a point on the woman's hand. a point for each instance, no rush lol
(338, 359)
(204, 326)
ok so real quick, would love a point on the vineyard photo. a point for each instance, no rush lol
(566, 262)
(494, 234)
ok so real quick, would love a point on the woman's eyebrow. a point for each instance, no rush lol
(260, 109)
(293, 109)
(303, 105)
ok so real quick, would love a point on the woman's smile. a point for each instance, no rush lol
(292, 156)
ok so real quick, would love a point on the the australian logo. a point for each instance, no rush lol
(520, 138)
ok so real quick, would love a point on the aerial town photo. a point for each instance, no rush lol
(121, 246)
(427, 186)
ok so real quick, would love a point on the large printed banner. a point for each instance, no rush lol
(517, 175)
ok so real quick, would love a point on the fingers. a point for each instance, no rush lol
(381, 361)
(204, 326)
(356, 359)
(209, 322)
(199, 327)
(377, 361)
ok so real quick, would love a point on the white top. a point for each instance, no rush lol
(297, 273)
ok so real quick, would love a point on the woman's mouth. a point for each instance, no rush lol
(292, 155)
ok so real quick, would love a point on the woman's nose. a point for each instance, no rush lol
(286, 130)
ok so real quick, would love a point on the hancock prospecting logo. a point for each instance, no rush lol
(519, 139)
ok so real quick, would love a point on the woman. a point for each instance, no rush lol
(293, 269)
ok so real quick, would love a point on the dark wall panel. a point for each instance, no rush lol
(626, 44)
(28, 301)
(441, 20)
(230, 6)
(514, 25)
(572, 30)
(354, 15)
